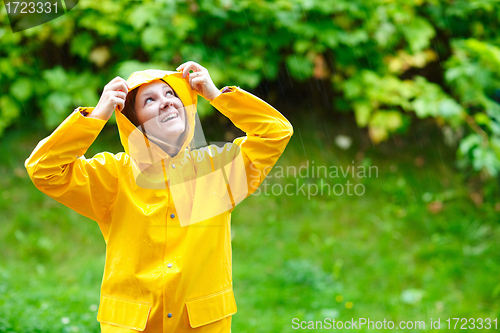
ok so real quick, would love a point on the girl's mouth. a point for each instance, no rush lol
(170, 117)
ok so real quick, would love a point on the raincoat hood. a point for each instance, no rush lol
(137, 145)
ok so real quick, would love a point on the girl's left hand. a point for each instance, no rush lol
(199, 79)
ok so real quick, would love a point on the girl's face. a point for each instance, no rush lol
(160, 111)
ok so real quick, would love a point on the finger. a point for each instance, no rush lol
(197, 83)
(125, 85)
(187, 68)
(198, 75)
(116, 79)
(119, 94)
(191, 65)
(118, 85)
(119, 103)
(121, 85)
(192, 76)
(181, 66)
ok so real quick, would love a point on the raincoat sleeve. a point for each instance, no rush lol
(58, 168)
(253, 156)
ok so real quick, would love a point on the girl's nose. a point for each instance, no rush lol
(166, 103)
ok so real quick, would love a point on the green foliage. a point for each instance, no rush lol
(390, 61)
(473, 72)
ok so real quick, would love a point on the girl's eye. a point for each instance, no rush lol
(170, 93)
(147, 99)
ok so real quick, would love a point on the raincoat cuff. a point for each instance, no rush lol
(83, 112)
(224, 90)
(227, 89)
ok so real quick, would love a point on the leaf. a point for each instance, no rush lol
(384, 33)
(301, 46)
(300, 67)
(382, 123)
(140, 16)
(472, 140)
(56, 77)
(422, 108)
(352, 88)
(419, 32)
(449, 108)
(183, 24)
(104, 27)
(377, 134)
(153, 37)
(82, 44)
(362, 111)
(485, 158)
(330, 38)
(390, 120)
(482, 119)
(353, 38)
(85, 96)
(249, 78)
(21, 89)
(7, 69)
(56, 108)
(9, 108)
(286, 18)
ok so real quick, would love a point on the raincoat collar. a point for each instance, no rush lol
(136, 143)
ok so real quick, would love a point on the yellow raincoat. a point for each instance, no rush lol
(165, 220)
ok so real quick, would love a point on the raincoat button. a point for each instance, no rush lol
(169, 265)
(173, 166)
(172, 215)
(169, 315)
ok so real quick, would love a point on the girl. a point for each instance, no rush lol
(163, 207)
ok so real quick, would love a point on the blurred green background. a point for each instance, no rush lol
(410, 88)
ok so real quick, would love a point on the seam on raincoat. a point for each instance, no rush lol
(210, 295)
(127, 300)
(216, 320)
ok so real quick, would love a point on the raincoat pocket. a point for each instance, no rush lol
(211, 308)
(126, 314)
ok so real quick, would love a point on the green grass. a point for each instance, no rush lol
(386, 252)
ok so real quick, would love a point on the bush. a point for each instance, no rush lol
(389, 61)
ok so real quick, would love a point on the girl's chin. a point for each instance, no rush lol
(169, 134)
(173, 130)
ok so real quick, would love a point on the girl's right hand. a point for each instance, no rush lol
(113, 95)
